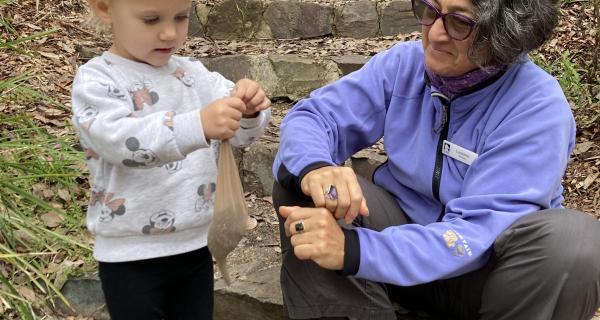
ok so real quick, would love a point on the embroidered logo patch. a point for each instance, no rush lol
(450, 238)
(456, 243)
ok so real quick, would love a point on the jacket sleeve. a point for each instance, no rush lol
(335, 121)
(518, 171)
(104, 118)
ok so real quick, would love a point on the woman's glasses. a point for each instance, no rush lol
(458, 26)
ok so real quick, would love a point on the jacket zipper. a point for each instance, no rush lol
(439, 159)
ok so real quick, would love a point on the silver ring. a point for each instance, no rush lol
(299, 226)
(331, 192)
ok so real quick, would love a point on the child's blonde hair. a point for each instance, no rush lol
(94, 23)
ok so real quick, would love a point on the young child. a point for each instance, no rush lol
(149, 122)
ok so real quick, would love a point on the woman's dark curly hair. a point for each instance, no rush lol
(506, 30)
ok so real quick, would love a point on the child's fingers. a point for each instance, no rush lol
(244, 89)
(235, 103)
(252, 90)
(257, 99)
(263, 105)
(239, 90)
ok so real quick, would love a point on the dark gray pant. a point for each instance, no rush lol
(544, 266)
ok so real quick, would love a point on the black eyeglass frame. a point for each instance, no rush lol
(470, 22)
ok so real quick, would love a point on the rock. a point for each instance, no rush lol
(357, 19)
(293, 19)
(257, 67)
(281, 76)
(299, 76)
(397, 17)
(350, 63)
(366, 161)
(255, 168)
(87, 53)
(195, 27)
(256, 297)
(234, 19)
(202, 12)
(86, 298)
(199, 20)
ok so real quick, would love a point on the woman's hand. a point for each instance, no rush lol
(315, 235)
(253, 96)
(337, 189)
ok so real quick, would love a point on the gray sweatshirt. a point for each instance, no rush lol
(153, 172)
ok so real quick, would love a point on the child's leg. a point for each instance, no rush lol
(134, 290)
(190, 293)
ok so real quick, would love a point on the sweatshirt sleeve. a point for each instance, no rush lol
(104, 118)
(250, 128)
(518, 171)
(335, 121)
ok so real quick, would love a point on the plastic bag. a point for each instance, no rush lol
(230, 213)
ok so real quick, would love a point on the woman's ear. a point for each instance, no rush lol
(101, 9)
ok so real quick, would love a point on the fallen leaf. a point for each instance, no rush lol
(51, 219)
(268, 199)
(73, 264)
(582, 147)
(26, 293)
(32, 26)
(590, 179)
(50, 55)
(251, 223)
(64, 194)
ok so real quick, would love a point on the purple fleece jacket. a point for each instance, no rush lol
(519, 124)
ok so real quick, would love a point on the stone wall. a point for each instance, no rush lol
(291, 19)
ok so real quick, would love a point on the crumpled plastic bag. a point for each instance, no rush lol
(230, 213)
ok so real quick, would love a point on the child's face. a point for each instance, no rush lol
(148, 31)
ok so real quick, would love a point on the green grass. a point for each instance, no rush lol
(39, 173)
(34, 165)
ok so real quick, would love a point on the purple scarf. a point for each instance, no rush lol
(455, 86)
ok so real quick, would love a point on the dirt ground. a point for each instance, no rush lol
(261, 243)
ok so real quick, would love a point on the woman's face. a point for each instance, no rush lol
(444, 55)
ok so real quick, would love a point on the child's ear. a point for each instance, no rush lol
(101, 9)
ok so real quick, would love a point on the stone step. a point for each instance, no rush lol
(256, 297)
(285, 76)
(255, 163)
(289, 19)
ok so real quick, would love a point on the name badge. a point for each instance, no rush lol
(459, 153)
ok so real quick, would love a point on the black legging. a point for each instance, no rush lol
(174, 287)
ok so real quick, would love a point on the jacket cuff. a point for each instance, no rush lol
(291, 182)
(309, 168)
(351, 252)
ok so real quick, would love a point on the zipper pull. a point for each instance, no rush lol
(444, 113)
(443, 120)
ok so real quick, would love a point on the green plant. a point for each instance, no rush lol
(33, 161)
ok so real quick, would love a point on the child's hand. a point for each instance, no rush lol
(221, 118)
(253, 96)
